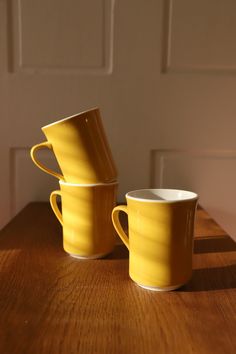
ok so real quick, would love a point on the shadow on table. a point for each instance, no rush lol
(214, 244)
(208, 279)
(119, 252)
(215, 278)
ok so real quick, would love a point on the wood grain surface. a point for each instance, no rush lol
(52, 303)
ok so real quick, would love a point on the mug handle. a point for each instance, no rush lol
(54, 205)
(44, 145)
(117, 225)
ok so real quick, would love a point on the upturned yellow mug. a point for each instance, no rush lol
(86, 218)
(81, 148)
(160, 241)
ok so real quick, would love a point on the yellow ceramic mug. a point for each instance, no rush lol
(160, 242)
(81, 148)
(86, 218)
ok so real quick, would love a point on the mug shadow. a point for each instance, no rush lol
(210, 279)
(119, 252)
(216, 278)
(214, 244)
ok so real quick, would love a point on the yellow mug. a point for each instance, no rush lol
(81, 148)
(160, 241)
(86, 218)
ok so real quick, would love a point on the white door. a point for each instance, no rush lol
(162, 73)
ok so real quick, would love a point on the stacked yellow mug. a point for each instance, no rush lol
(88, 183)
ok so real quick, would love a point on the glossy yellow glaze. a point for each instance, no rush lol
(160, 241)
(81, 149)
(86, 218)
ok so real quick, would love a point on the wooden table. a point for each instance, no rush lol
(52, 303)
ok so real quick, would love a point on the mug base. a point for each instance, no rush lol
(157, 288)
(94, 256)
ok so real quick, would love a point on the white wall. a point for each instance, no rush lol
(162, 73)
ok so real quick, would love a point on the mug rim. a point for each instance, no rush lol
(64, 183)
(191, 195)
(69, 117)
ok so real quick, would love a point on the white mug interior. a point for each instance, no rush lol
(161, 195)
